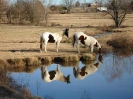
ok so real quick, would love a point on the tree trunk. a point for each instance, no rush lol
(116, 19)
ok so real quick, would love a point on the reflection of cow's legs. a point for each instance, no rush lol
(43, 70)
(58, 69)
(78, 69)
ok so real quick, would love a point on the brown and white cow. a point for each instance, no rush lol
(81, 38)
(52, 38)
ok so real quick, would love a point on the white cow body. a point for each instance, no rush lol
(49, 76)
(52, 38)
(81, 38)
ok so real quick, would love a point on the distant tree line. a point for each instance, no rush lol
(26, 11)
(38, 11)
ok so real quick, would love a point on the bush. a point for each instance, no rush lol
(88, 57)
(123, 40)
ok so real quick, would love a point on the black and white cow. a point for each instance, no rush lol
(49, 76)
(52, 38)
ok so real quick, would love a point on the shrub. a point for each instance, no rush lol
(15, 62)
(32, 62)
(123, 40)
(88, 57)
(2, 63)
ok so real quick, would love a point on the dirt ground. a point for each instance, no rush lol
(17, 41)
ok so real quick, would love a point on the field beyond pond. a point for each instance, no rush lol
(19, 41)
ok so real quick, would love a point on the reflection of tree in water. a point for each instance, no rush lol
(115, 66)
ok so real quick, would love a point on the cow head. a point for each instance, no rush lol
(66, 32)
(99, 47)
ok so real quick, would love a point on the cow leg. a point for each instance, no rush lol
(41, 44)
(45, 46)
(91, 48)
(77, 46)
(57, 45)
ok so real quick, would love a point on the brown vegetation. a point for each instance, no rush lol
(123, 41)
(10, 89)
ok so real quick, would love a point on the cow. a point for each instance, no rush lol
(52, 38)
(82, 38)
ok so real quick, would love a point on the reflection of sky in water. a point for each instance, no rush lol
(108, 82)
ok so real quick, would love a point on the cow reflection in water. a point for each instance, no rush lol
(87, 69)
(54, 75)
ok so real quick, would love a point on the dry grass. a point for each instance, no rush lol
(122, 41)
(18, 41)
(88, 57)
(81, 19)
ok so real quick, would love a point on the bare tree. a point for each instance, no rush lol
(118, 9)
(3, 5)
(68, 4)
(100, 2)
(38, 11)
(85, 5)
(77, 4)
(25, 11)
(47, 4)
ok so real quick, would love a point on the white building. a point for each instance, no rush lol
(102, 8)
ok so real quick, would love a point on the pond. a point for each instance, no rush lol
(110, 79)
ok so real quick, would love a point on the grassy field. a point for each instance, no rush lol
(17, 41)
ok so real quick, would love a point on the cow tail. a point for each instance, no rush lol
(41, 42)
(74, 38)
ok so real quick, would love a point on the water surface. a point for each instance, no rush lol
(111, 79)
